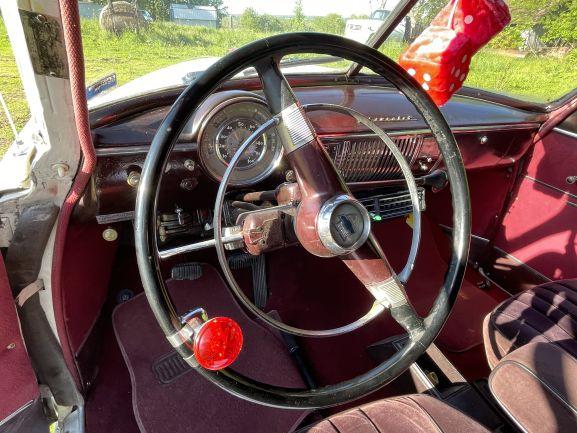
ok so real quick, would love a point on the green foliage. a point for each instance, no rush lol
(424, 12)
(555, 21)
(134, 54)
(298, 21)
(249, 19)
(331, 23)
(252, 20)
(560, 25)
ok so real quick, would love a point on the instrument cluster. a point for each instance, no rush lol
(226, 128)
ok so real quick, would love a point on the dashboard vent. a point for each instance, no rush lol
(387, 206)
(363, 159)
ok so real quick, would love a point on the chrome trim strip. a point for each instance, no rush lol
(136, 150)
(565, 132)
(522, 263)
(187, 147)
(464, 129)
(16, 412)
(552, 187)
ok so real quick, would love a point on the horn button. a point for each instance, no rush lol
(343, 224)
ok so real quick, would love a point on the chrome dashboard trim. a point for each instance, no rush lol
(187, 147)
(137, 150)
(424, 131)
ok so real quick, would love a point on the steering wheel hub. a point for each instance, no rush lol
(343, 224)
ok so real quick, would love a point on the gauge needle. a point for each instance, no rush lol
(235, 135)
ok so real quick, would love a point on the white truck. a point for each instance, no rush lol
(361, 30)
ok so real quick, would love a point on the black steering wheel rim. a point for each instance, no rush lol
(145, 216)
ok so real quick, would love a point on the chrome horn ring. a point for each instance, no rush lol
(377, 308)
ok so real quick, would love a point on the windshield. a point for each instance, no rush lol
(186, 38)
(533, 59)
(138, 47)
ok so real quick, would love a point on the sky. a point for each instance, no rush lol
(311, 7)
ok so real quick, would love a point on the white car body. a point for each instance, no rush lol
(179, 74)
(361, 30)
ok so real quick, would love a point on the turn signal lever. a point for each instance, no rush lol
(437, 180)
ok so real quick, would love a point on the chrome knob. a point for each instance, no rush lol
(133, 178)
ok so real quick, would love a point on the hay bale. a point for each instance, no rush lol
(119, 16)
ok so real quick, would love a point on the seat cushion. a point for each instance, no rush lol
(545, 313)
(536, 386)
(407, 414)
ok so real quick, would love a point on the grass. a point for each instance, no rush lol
(11, 89)
(136, 53)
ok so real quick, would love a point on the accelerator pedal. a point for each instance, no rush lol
(258, 268)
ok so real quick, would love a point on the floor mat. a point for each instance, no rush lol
(302, 284)
(168, 397)
(108, 407)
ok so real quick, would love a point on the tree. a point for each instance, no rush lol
(331, 23)
(252, 20)
(424, 12)
(552, 20)
(249, 19)
(298, 21)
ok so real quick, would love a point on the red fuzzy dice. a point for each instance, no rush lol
(439, 60)
(479, 20)
(440, 57)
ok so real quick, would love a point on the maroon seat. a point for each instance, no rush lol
(407, 414)
(536, 386)
(545, 313)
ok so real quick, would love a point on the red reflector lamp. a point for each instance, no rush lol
(218, 343)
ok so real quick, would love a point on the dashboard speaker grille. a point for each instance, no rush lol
(363, 159)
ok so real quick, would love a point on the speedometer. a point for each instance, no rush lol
(223, 132)
(231, 137)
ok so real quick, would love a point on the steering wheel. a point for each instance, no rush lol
(328, 220)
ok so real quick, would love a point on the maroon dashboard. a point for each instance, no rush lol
(489, 135)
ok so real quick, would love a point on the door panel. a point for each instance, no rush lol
(18, 385)
(540, 228)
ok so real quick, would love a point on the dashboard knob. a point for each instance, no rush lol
(189, 183)
(133, 178)
(189, 164)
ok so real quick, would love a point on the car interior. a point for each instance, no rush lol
(377, 263)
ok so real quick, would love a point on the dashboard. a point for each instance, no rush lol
(488, 135)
